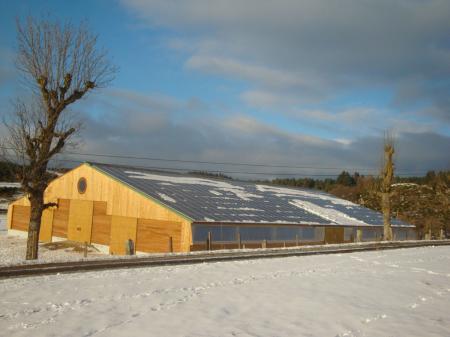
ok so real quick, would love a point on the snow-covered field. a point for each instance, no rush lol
(13, 248)
(2, 223)
(387, 293)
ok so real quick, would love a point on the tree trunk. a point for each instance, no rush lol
(37, 206)
(386, 207)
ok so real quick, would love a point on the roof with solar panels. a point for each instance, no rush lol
(206, 200)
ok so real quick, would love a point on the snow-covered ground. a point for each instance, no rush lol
(2, 223)
(386, 293)
(13, 248)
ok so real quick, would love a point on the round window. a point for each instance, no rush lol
(82, 185)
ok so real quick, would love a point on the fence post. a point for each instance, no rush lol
(358, 235)
(209, 241)
(264, 244)
(170, 244)
(296, 240)
(85, 249)
(239, 240)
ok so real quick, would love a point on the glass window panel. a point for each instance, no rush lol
(412, 234)
(256, 233)
(349, 233)
(286, 233)
(200, 232)
(308, 233)
(372, 234)
(228, 233)
(319, 233)
(399, 234)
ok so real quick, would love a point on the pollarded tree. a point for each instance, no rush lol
(61, 64)
(387, 176)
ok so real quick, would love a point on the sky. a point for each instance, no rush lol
(306, 83)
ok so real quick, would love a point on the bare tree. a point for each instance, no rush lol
(387, 175)
(60, 63)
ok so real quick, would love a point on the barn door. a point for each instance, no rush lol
(334, 235)
(80, 220)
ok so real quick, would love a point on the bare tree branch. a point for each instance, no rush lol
(61, 63)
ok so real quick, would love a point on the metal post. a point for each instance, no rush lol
(239, 240)
(85, 249)
(296, 240)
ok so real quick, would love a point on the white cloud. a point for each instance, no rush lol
(313, 50)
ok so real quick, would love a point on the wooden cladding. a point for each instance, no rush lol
(154, 235)
(101, 229)
(61, 218)
(334, 235)
(20, 218)
(80, 220)
(88, 221)
(122, 229)
(101, 224)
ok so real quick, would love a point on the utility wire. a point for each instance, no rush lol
(216, 171)
(410, 172)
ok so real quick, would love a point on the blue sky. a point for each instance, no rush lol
(287, 82)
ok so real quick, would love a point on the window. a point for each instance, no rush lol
(349, 234)
(229, 233)
(372, 234)
(399, 234)
(82, 185)
(286, 233)
(256, 233)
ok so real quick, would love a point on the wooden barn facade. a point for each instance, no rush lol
(109, 205)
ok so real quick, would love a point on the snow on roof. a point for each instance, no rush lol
(212, 200)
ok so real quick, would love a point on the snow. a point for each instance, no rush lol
(215, 192)
(2, 222)
(220, 185)
(241, 209)
(330, 214)
(13, 248)
(405, 184)
(166, 197)
(289, 192)
(382, 293)
(11, 185)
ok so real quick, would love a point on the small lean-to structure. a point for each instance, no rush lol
(108, 205)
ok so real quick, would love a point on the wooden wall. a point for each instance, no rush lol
(334, 235)
(106, 199)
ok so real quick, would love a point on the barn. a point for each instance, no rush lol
(108, 205)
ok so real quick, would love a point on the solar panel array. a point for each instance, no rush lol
(206, 200)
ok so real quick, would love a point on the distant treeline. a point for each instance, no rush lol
(347, 179)
(422, 201)
(210, 175)
(8, 171)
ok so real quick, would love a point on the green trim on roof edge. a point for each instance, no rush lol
(139, 192)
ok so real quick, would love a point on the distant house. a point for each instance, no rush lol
(108, 205)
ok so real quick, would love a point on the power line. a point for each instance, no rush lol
(224, 163)
(218, 171)
(410, 172)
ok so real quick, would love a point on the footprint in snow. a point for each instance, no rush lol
(375, 318)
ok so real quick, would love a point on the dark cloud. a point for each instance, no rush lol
(151, 128)
(314, 49)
